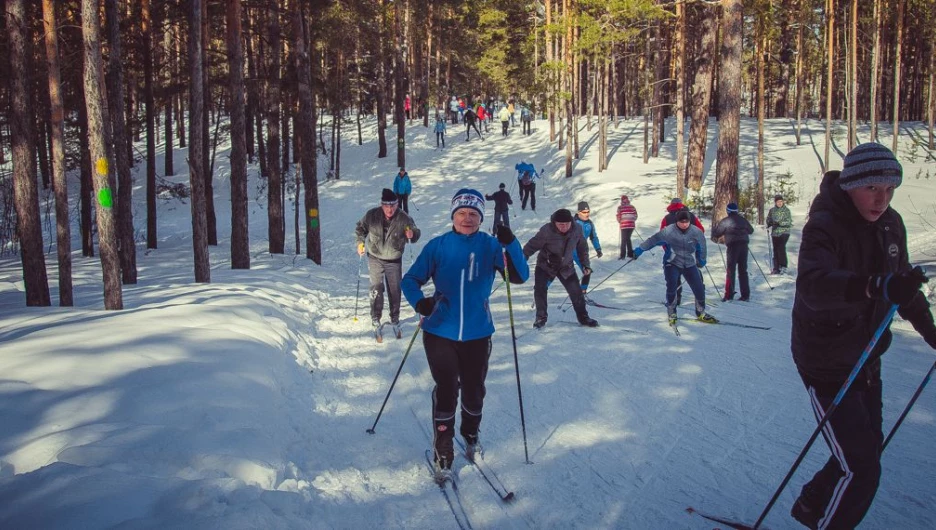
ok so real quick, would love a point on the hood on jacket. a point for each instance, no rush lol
(624, 200)
(675, 207)
(834, 199)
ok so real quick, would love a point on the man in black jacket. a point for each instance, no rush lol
(501, 201)
(555, 242)
(853, 266)
(737, 231)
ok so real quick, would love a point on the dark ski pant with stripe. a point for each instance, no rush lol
(389, 273)
(456, 366)
(693, 277)
(841, 492)
(737, 260)
(541, 282)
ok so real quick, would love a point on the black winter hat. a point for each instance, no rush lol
(502, 185)
(870, 164)
(561, 216)
(582, 206)
(387, 197)
(777, 197)
(683, 215)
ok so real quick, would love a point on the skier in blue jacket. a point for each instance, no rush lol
(403, 187)
(457, 320)
(590, 234)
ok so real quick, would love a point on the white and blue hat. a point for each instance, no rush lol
(468, 198)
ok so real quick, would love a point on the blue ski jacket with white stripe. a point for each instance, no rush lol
(462, 270)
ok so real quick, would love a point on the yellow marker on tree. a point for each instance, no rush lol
(101, 166)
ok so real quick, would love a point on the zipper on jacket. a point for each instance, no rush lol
(461, 305)
(471, 266)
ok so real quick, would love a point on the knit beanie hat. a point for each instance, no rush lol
(502, 185)
(561, 216)
(468, 198)
(732, 208)
(870, 164)
(777, 197)
(582, 206)
(387, 197)
(676, 200)
(683, 215)
(624, 198)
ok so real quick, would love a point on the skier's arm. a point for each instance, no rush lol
(418, 274)
(819, 282)
(360, 231)
(517, 265)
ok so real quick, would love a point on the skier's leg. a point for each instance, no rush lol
(393, 271)
(473, 356)
(532, 189)
(541, 280)
(442, 356)
(694, 278)
(744, 284)
(376, 272)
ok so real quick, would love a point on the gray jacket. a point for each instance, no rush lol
(555, 249)
(683, 249)
(734, 227)
(385, 244)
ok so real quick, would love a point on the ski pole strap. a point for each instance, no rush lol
(865, 354)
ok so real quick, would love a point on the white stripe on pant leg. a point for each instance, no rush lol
(842, 485)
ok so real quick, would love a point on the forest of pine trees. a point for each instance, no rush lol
(88, 79)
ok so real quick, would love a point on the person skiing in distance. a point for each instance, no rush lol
(526, 180)
(555, 242)
(482, 113)
(526, 119)
(402, 187)
(461, 109)
(590, 233)
(684, 256)
(853, 266)
(383, 233)
(501, 201)
(736, 231)
(779, 222)
(456, 320)
(675, 206)
(504, 117)
(512, 109)
(627, 220)
(471, 120)
(453, 110)
(440, 131)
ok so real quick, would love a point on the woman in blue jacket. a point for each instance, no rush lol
(457, 321)
(403, 187)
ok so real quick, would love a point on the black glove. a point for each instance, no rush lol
(425, 306)
(897, 288)
(599, 253)
(504, 235)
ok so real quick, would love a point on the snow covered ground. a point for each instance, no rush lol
(243, 403)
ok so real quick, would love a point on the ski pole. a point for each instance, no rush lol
(413, 204)
(626, 263)
(825, 418)
(513, 336)
(770, 249)
(357, 296)
(760, 269)
(642, 240)
(713, 281)
(906, 410)
(400, 369)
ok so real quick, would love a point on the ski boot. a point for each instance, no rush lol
(473, 447)
(378, 330)
(707, 318)
(539, 323)
(397, 331)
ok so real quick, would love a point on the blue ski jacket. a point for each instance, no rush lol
(402, 185)
(462, 270)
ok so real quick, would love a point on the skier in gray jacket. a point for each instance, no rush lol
(383, 233)
(556, 241)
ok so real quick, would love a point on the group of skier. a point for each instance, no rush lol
(853, 271)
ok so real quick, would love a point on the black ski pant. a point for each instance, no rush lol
(528, 191)
(779, 251)
(468, 126)
(627, 248)
(541, 281)
(504, 125)
(527, 127)
(737, 260)
(500, 218)
(404, 201)
(440, 136)
(383, 273)
(842, 491)
(693, 277)
(456, 366)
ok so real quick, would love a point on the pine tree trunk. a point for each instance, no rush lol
(729, 104)
(211, 221)
(240, 237)
(762, 50)
(853, 78)
(398, 84)
(830, 64)
(569, 65)
(275, 191)
(897, 73)
(679, 73)
(62, 226)
(701, 99)
(115, 92)
(86, 187)
(550, 73)
(25, 194)
(101, 158)
(800, 81)
(380, 90)
(305, 128)
(932, 96)
(150, 109)
(168, 162)
(197, 147)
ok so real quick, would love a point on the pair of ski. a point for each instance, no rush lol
(378, 332)
(448, 485)
(737, 525)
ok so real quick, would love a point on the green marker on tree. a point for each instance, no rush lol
(105, 198)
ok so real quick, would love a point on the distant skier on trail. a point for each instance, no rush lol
(526, 179)
(471, 120)
(555, 242)
(403, 188)
(737, 232)
(456, 321)
(590, 233)
(504, 117)
(684, 256)
(853, 266)
(501, 201)
(440, 131)
(383, 233)
(627, 220)
(526, 119)
(676, 205)
(779, 222)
